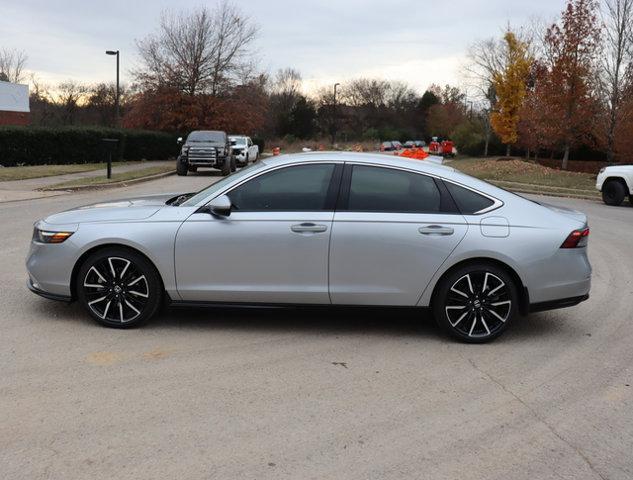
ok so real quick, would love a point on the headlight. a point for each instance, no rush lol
(42, 236)
(185, 150)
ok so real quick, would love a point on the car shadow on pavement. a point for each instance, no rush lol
(318, 320)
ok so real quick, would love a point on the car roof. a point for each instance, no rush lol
(368, 158)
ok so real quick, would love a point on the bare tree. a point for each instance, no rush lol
(70, 95)
(366, 92)
(200, 51)
(12, 62)
(485, 60)
(617, 16)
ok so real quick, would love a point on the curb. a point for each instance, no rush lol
(122, 183)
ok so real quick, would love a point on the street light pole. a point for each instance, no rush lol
(118, 92)
(335, 119)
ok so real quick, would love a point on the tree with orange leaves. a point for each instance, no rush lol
(571, 50)
(510, 87)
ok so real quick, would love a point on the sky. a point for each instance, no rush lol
(420, 42)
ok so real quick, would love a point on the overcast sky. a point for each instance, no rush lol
(420, 42)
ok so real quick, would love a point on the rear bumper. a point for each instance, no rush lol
(555, 304)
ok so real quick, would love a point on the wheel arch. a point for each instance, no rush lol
(524, 297)
(82, 258)
(619, 179)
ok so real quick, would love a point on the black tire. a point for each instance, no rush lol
(226, 167)
(233, 164)
(131, 295)
(181, 167)
(470, 314)
(613, 193)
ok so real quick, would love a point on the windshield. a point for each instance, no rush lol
(238, 140)
(219, 185)
(206, 136)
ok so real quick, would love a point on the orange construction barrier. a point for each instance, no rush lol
(414, 153)
(276, 151)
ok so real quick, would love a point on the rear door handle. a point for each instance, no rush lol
(436, 230)
(308, 228)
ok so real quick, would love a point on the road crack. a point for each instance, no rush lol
(536, 415)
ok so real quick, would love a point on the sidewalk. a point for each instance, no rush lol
(13, 190)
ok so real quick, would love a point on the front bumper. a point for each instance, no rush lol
(50, 296)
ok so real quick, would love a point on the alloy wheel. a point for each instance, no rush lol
(116, 290)
(478, 304)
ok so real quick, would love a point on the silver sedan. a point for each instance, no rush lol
(321, 229)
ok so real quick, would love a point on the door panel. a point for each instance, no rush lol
(268, 257)
(388, 258)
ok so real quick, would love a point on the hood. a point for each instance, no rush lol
(205, 144)
(567, 212)
(128, 209)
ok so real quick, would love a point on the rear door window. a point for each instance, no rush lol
(377, 189)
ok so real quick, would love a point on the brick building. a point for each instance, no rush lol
(14, 104)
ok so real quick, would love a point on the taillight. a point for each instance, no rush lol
(576, 239)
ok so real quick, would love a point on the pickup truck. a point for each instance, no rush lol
(243, 149)
(616, 183)
(206, 149)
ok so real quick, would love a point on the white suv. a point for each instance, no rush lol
(615, 183)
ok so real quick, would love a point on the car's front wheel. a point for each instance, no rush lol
(476, 302)
(181, 167)
(613, 193)
(119, 287)
(226, 167)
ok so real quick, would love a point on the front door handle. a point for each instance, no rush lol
(436, 230)
(308, 228)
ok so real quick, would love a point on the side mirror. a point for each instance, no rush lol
(220, 206)
(179, 141)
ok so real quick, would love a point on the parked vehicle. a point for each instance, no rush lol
(414, 144)
(321, 228)
(205, 149)
(387, 147)
(616, 183)
(448, 148)
(243, 150)
(397, 144)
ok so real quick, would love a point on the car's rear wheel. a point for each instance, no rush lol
(613, 193)
(119, 287)
(476, 302)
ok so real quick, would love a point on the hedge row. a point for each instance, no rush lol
(66, 145)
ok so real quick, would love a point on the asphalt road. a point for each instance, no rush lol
(256, 394)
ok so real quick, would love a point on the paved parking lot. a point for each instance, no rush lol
(263, 393)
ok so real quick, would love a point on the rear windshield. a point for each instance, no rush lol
(206, 136)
